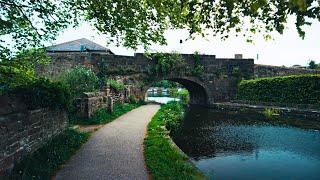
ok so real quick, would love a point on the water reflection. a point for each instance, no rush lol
(161, 100)
(232, 145)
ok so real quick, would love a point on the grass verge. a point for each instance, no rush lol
(43, 163)
(103, 116)
(163, 159)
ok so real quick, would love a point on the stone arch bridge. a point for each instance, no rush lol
(217, 81)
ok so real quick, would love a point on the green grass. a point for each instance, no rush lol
(43, 163)
(103, 116)
(165, 161)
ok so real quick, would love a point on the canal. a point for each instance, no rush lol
(238, 145)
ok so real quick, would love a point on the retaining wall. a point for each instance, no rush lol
(24, 131)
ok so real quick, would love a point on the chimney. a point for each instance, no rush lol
(238, 56)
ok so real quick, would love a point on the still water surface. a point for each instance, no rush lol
(247, 146)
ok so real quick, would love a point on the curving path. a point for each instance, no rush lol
(113, 152)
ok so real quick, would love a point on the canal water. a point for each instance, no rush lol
(233, 145)
(161, 100)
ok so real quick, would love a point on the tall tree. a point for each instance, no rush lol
(313, 65)
(28, 23)
(141, 22)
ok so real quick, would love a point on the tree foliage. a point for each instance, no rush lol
(166, 84)
(28, 23)
(313, 65)
(20, 69)
(141, 22)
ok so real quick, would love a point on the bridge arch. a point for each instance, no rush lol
(197, 90)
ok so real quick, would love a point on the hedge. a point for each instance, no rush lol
(297, 89)
(42, 93)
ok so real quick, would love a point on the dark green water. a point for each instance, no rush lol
(248, 146)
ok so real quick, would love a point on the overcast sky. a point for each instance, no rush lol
(287, 49)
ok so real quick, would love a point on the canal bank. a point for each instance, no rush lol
(163, 158)
(297, 111)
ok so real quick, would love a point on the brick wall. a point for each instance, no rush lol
(23, 131)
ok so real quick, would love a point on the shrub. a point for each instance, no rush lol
(270, 113)
(12, 76)
(166, 84)
(42, 93)
(183, 95)
(298, 89)
(80, 79)
(132, 99)
(115, 85)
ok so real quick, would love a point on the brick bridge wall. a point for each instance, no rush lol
(218, 82)
(24, 131)
(261, 71)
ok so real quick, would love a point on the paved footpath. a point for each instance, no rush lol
(113, 152)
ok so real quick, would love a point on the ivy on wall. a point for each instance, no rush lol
(198, 68)
(167, 63)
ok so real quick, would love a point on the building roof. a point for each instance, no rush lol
(79, 45)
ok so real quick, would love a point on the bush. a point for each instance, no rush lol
(133, 99)
(299, 89)
(183, 95)
(42, 93)
(166, 84)
(11, 77)
(270, 113)
(80, 79)
(115, 85)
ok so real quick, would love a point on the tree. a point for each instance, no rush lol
(29, 23)
(141, 22)
(312, 65)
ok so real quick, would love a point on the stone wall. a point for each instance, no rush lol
(106, 98)
(261, 71)
(217, 82)
(24, 131)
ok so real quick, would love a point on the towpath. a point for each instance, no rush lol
(115, 151)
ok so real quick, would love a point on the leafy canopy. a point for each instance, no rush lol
(141, 22)
(29, 23)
